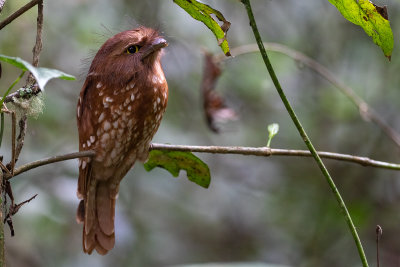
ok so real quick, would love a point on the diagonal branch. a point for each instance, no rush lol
(41, 162)
(236, 150)
(18, 13)
(366, 112)
(303, 133)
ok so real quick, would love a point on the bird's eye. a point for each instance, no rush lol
(132, 49)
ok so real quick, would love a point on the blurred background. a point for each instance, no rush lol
(276, 210)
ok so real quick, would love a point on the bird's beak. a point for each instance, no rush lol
(156, 45)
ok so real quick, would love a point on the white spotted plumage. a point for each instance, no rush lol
(118, 121)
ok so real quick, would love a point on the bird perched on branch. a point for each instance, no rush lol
(119, 110)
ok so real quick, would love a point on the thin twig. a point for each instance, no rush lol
(21, 136)
(4, 168)
(303, 133)
(39, 30)
(1, 127)
(15, 207)
(379, 233)
(31, 80)
(35, 164)
(366, 112)
(38, 45)
(13, 136)
(11, 165)
(248, 151)
(18, 13)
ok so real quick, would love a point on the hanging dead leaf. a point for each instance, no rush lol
(215, 109)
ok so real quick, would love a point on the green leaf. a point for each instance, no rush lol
(373, 19)
(42, 75)
(202, 12)
(273, 130)
(174, 161)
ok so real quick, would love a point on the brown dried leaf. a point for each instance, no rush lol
(382, 11)
(214, 105)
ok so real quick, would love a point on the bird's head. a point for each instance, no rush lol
(129, 52)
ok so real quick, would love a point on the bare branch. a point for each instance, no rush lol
(15, 208)
(265, 151)
(379, 232)
(4, 168)
(21, 136)
(38, 46)
(251, 151)
(38, 163)
(39, 29)
(18, 13)
(13, 135)
(366, 112)
(34, 92)
(31, 80)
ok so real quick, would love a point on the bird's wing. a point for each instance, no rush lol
(85, 129)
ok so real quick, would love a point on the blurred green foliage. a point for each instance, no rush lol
(271, 210)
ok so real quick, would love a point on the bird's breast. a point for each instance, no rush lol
(126, 120)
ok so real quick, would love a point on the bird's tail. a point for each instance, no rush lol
(97, 211)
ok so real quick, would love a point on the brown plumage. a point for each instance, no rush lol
(119, 110)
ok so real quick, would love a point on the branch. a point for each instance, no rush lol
(18, 13)
(31, 80)
(10, 97)
(39, 29)
(366, 112)
(265, 152)
(303, 133)
(38, 45)
(35, 59)
(41, 162)
(236, 150)
(21, 136)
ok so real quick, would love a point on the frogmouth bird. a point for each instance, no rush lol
(119, 110)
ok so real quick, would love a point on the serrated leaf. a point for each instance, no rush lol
(373, 19)
(42, 75)
(202, 12)
(174, 161)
